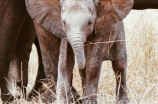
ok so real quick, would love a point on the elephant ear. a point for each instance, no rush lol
(48, 14)
(110, 12)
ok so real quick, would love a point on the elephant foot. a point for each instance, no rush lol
(75, 99)
(5, 95)
(90, 99)
(7, 98)
(32, 95)
(24, 90)
(49, 95)
(122, 99)
(46, 88)
(45, 96)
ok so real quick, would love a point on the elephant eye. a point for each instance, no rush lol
(89, 23)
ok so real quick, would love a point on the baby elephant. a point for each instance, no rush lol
(93, 30)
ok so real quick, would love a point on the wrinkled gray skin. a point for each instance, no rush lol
(21, 53)
(19, 63)
(17, 35)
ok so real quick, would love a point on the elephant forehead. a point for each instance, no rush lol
(78, 6)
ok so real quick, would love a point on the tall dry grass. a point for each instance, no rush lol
(142, 72)
(141, 29)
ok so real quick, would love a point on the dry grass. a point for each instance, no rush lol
(142, 73)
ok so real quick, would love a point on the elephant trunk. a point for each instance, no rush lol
(77, 44)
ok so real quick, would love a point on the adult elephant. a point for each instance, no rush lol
(98, 22)
(145, 4)
(17, 35)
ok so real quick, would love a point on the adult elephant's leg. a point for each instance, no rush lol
(49, 45)
(19, 66)
(93, 67)
(40, 73)
(119, 66)
(11, 19)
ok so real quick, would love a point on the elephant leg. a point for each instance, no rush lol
(11, 19)
(119, 68)
(49, 45)
(19, 66)
(93, 68)
(40, 73)
(65, 69)
(65, 90)
(119, 64)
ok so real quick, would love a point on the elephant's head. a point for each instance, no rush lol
(76, 19)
